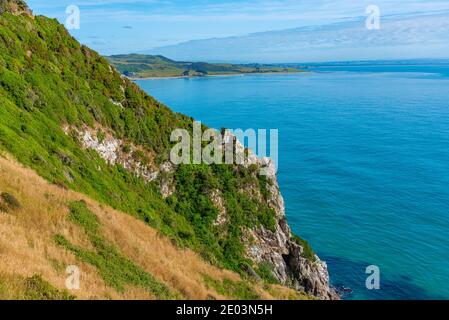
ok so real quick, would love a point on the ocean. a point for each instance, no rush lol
(363, 163)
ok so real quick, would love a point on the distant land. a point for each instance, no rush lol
(142, 66)
(309, 66)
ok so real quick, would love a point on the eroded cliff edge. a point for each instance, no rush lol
(293, 267)
(294, 263)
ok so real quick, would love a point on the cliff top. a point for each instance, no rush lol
(15, 7)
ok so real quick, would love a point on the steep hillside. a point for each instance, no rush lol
(147, 66)
(34, 263)
(68, 115)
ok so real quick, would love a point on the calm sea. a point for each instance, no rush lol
(363, 164)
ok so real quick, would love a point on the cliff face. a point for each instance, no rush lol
(291, 265)
(82, 126)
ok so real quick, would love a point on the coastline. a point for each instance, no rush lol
(216, 75)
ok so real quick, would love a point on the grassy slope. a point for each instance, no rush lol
(147, 66)
(33, 263)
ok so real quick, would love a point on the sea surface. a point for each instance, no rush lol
(363, 164)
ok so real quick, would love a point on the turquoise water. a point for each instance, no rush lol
(363, 164)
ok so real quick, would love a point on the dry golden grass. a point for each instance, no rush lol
(27, 244)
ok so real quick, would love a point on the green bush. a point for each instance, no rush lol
(265, 272)
(37, 288)
(307, 249)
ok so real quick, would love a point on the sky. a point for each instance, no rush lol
(134, 26)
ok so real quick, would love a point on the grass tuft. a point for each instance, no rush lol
(239, 290)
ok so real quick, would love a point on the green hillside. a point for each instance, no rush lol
(147, 66)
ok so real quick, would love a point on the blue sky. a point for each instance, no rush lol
(123, 26)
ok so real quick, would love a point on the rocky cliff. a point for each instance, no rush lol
(292, 266)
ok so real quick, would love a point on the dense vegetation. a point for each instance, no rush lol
(147, 66)
(48, 80)
(30, 288)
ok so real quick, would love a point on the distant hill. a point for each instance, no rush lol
(147, 66)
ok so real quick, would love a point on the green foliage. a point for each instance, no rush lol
(263, 185)
(241, 290)
(15, 287)
(37, 288)
(126, 148)
(101, 136)
(194, 186)
(116, 270)
(308, 252)
(265, 271)
(81, 214)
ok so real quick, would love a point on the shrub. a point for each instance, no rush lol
(126, 148)
(37, 288)
(307, 249)
(10, 200)
(265, 271)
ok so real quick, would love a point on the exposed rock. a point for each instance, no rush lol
(243, 156)
(106, 148)
(116, 103)
(167, 184)
(217, 199)
(278, 248)
(112, 150)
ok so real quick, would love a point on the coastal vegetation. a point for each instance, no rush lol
(156, 66)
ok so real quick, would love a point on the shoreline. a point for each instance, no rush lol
(216, 75)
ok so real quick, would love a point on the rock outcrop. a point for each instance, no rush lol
(278, 248)
(291, 266)
(116, 151)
